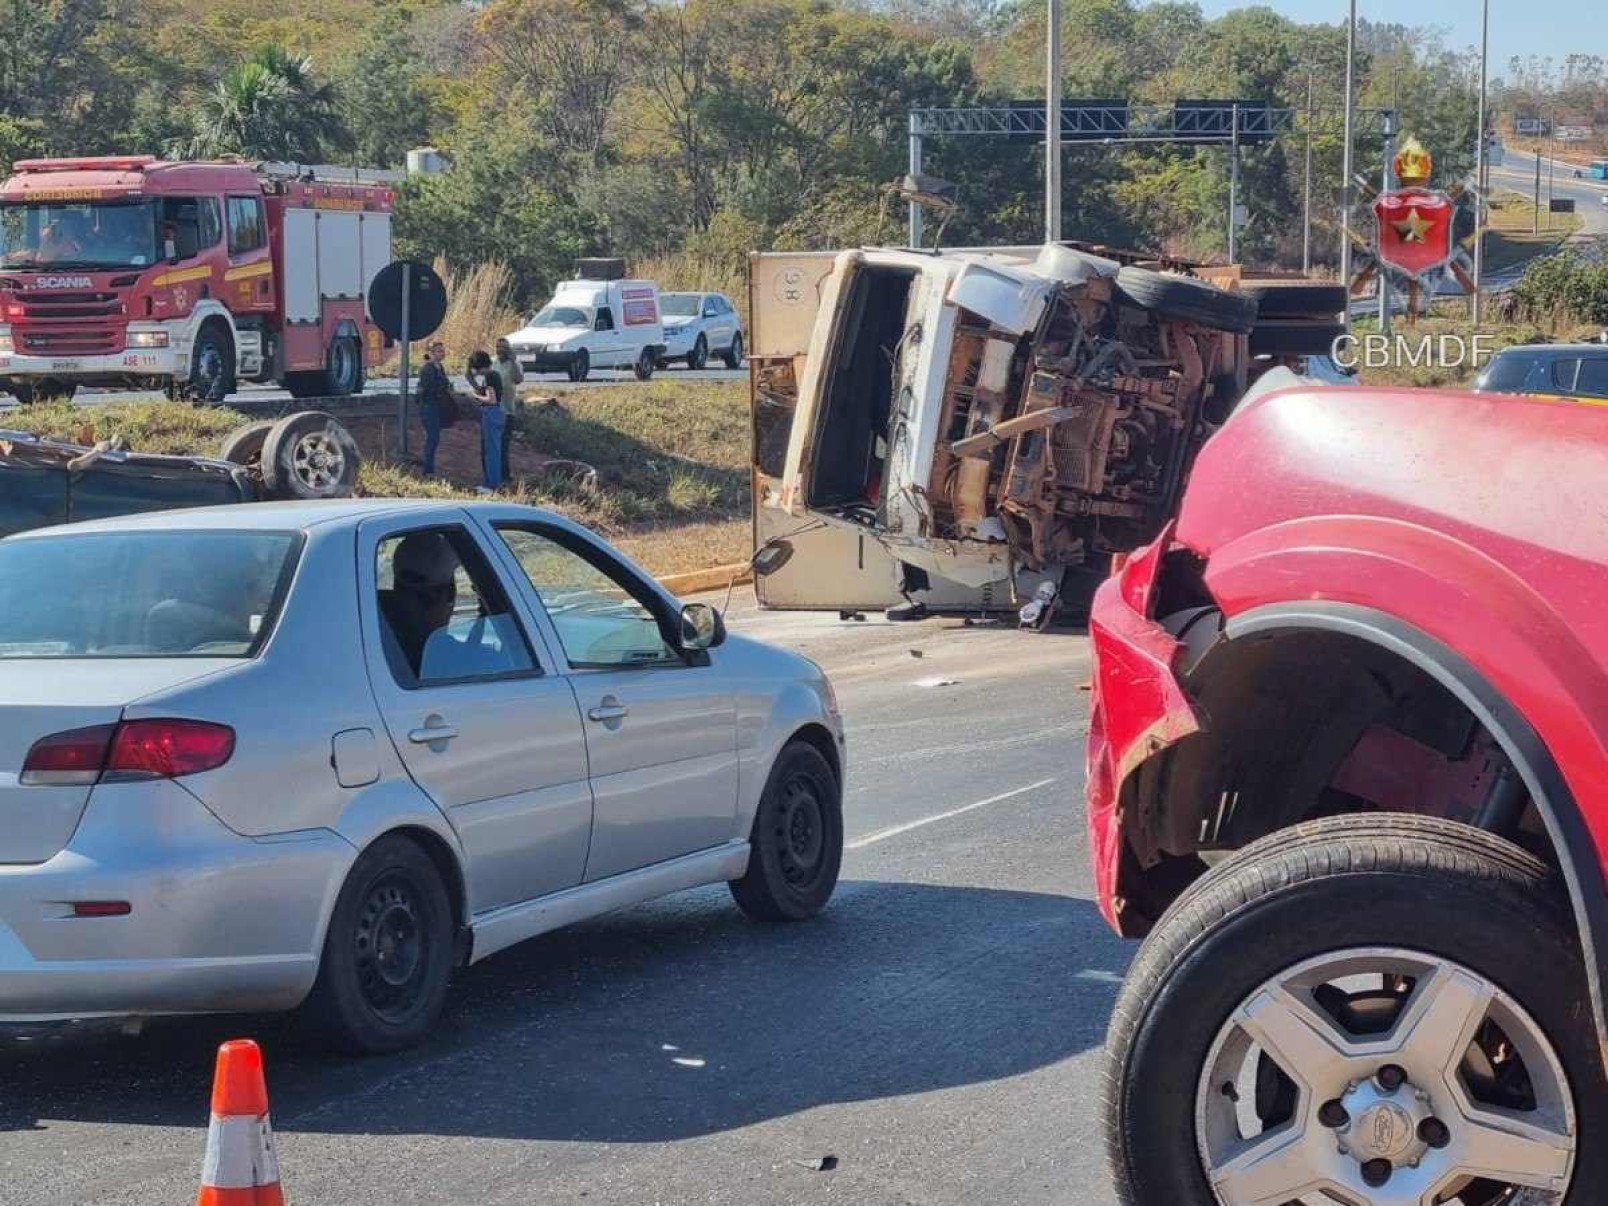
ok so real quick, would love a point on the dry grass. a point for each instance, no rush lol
(165, 427)
(1509, 241)
(696, 271)
(480, 309)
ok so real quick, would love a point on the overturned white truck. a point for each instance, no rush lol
(969, 429)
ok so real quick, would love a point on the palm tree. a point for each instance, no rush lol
(268, 107)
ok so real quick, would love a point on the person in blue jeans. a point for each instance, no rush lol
(486, 385)
(435, 396)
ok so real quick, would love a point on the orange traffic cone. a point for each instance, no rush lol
(241, 1168)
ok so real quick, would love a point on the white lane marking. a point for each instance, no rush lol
(883, 835)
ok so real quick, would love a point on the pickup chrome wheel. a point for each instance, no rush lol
(1382, 1075)
(1368, 1010)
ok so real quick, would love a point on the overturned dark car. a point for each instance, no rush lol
(307, 455)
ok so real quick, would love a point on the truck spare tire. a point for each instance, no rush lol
(309, 455)
(1186, 300)
(1299, 299)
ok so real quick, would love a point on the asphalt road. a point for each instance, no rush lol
(1517, 172)
(936, 1030)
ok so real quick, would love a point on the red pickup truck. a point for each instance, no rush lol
(1348, 774)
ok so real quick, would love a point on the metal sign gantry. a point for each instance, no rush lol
(1107, 122)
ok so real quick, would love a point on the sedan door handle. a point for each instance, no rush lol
(431, 733)
(608, 711)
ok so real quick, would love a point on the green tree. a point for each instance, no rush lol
(269, 107)
(384, 102)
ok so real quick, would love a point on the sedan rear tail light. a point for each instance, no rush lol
(134, 749)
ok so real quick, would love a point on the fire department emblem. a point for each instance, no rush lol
(1416, 231)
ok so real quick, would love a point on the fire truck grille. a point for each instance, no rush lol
(36, 306)
(70, 341)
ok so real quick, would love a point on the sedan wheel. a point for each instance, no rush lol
(388, 953)
(796, 844)
(1361, 1011)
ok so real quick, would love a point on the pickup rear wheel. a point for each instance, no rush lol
(796, 841)
(243, 445)
(388, 952)
(1364, 1009)
(309, 455)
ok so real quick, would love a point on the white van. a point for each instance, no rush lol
(594, 324)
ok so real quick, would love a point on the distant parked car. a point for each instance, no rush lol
(305, 455)
(700, 325)
(497, 725)
(1573, 370)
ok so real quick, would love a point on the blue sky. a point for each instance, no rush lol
(1541, 27)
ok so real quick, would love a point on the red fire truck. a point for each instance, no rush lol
(136, 272)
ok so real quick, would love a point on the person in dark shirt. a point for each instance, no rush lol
(435, 397)
(486, 384)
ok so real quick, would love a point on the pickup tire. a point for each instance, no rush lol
(1330, 937)
(388, 952)
(1186, 300)
(796, 843)
(309, 455)
(243, 445)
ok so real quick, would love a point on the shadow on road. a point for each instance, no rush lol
(667, 1021)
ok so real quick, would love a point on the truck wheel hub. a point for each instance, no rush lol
(1384, 1124)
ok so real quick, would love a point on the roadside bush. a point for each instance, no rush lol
(1566, 287)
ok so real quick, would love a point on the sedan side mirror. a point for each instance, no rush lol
(701, 627)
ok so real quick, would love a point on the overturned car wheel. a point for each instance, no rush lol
(309, 455)
(1186, 300)
(1364, 1009)
(243, 445)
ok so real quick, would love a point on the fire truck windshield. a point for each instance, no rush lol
(49, 234)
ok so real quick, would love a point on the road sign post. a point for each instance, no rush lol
(407, 300)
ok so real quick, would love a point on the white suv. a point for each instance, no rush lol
(699, 325)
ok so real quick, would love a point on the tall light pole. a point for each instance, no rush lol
(1306, 187)
(1345, 156)
(1479, 164)
(1052, 124)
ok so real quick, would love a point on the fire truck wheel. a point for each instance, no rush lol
(345, 371)
(309, 455)
(212, 367)
(49, 389)
(1184, 300)
(243, 445)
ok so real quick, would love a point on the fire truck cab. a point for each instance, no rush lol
(191, 277)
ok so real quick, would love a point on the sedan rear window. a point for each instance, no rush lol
(142, 594)
(1506, 373)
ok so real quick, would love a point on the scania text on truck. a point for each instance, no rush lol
(135, 272)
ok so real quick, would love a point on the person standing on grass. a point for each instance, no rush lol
(486, 384)
(435, 401)
(512, 378)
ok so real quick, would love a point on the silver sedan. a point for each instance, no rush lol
(257, 756)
